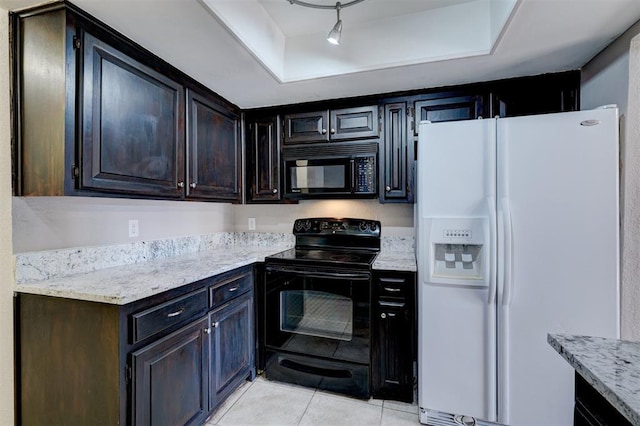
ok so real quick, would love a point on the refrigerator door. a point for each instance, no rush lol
(558, 238)
(456, 313)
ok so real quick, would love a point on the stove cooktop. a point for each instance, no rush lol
(322, 257)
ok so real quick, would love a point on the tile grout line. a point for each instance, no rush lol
(251, 383)
(307, 407)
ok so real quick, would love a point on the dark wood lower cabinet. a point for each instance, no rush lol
(393, 335)
(592, 409)
(231, 348)
(170, 378)
(170, 359)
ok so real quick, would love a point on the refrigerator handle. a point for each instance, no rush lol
(491, 201)
(507, 289)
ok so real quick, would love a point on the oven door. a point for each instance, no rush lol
(324, 314)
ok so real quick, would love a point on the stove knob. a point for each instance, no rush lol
(373, 227)
(364, 226)
(307, 225)
(298, 225)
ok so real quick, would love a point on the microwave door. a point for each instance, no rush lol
(318, 177)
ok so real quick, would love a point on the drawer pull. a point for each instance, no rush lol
(232, 289)
(392, 290)
(176, 313)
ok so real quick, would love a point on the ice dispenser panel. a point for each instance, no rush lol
(458, 250)
(458, 261)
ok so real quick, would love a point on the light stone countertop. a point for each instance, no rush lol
(126, 273)
(120, 285)
(611, 366)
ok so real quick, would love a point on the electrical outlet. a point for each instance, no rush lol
(252, 224)
(134, 229)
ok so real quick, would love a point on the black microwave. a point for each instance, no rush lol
(331, 171)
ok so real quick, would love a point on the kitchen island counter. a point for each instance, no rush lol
(610, 366)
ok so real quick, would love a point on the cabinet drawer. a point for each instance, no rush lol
(393, 287)
(226, 290)
(160, 317)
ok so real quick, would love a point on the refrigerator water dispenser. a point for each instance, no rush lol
(457, 251)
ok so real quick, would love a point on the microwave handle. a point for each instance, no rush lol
(353, 175)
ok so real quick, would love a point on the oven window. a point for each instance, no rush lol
(316, 313)
(323, 176)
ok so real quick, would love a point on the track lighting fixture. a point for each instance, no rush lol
(336, 32)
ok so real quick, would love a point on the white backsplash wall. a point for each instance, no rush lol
(44, 223)
(396, 219)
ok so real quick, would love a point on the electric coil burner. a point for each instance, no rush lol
(317, 306)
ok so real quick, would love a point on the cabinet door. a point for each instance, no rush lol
(231, 347)
(394, 336)
(214, 150)
(354, 123)
(263, 164)
(306, 127)
(447, 109)
(132, 128)
(170, 378)
(391, 360)
(396, 162)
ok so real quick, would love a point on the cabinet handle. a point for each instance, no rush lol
(333, 131)
(176, 313)
(324, 131)
(180, 184)
(387, 188)
(275, 190)
(215, 324)
(383, 315)
(207, 330)
(232, 289)
(391, 314)
(392, 290)
(192, 185)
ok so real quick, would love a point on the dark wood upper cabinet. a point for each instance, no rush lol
(109, 118)
(306, 127)
(396, 155)
(213, 150)
(329, 125)
(447, 109)
(263, 159)
(132, 128)
(352, 123)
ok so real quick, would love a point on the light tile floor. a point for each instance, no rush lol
(263, 402)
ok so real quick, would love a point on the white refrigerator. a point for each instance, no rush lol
(517, 236)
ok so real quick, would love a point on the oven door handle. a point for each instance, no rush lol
(360, 276)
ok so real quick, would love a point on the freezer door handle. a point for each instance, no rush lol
(507, 261)
(491, 278)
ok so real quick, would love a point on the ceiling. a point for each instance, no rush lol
(270, 52)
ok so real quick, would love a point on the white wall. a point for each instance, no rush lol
(6, 257)
(396, 219)
(613, 77)
(44, 223)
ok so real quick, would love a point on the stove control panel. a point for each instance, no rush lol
(342, 226)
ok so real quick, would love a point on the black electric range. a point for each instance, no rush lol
(332, 242)
(316, 303)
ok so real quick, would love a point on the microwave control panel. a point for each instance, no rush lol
(365, 175)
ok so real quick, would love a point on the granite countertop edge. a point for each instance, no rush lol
(136, 281)
(595, 358)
